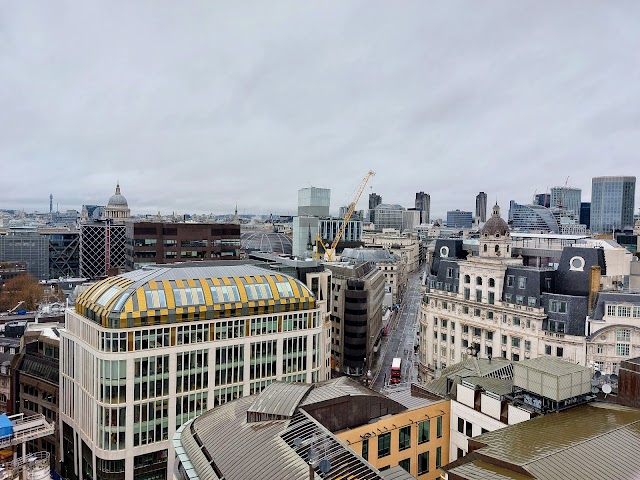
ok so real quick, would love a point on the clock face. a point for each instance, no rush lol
(444, 251)
(576, 264)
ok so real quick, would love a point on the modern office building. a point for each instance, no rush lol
(542, 199)
(305, 229)
(532, 218)
(410, 219)
(103, 239)
(459, 219)
(329, 227)
(336, 430)
(27, 246)
(102, 249)
(566, 197)
(356, 315)
(313, 201)
(612, 203)
(585, 214)
(146, 351)
(163, 243)
(481, 207)
(64, 253)
(388, 216)
(423, 204)
(393, 267)
(374, 201)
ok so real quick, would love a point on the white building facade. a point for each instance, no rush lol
(146, 351)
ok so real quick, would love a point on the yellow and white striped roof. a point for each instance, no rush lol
(176, 294)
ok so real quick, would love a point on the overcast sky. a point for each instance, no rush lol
(196, 106)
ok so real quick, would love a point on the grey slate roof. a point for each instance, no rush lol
(612, 297)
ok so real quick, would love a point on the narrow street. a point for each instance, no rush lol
(401, 338)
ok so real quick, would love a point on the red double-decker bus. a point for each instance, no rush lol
(396, 370)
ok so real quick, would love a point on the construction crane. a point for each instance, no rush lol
(563, 193)
(330, 250)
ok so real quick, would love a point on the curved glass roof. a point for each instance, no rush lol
(168, 295)
(270, 242)
(533, 218)
(367, 255)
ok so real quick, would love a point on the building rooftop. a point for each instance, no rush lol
(551, 366)
(592, 441)
(474, 369)
(155, 295)
(211, 445)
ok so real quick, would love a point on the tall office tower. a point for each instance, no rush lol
(566, 197)
(374, 201)
(51, 203)
(542, 199)
(146, 351)
(585, 214)
(481, 207)
(612, 203)
(459, 219)
(423, 203)
(388, 216)
(314, 202)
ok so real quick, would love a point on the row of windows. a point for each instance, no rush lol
(195, 295)
(422, 461)
(627, 311)
(404, 438)
(201, 332)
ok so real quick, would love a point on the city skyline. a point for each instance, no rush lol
(251, 103)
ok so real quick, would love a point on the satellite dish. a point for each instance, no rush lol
(613, 378)
(597, 374)
(606, 379)
(594, 383)
(606, 388)
(325, 465)
(297, 441)
(594, 389)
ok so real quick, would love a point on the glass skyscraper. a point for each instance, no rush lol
(612, 203)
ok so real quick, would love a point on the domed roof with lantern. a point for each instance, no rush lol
(117, 200)
(117, 210)
(495, 226)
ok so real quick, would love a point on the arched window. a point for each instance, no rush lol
(478, 280)
(485, 247)
(497, 248)
(507, 248)
(467, 279)
(492, 282)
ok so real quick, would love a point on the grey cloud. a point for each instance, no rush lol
(199, 106)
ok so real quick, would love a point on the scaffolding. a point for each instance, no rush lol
(33, 466)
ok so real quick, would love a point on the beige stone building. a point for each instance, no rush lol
(492, 305)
